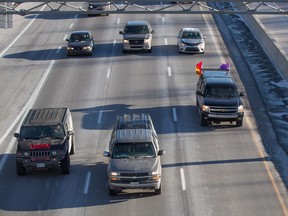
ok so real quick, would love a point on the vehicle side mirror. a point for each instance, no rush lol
(120, 32)
(161, 152)
(67, 39)
(16, 135)
(198, 93)
(204, 37)
(152, 31)
(70, 132)
(106, 154)
(241, 94)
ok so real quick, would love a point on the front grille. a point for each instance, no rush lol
(223, 110)
(40, 154)
(134, 174)
(136, 42)
(192, 49)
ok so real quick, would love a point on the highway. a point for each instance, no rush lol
(207, 171)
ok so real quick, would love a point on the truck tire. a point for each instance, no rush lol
(112, 192)
(158, 191)
(239, 123)
(65, 165)
(72, 151)
(20, 169)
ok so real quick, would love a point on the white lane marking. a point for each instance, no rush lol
(71, 25)
(183, 179)
(65, 36)
(23, 113)
(166, 41)
(174, 114)
(114, 42)
(118, 21)
(87, 182)
(58, 50)
(163, 19)
(169, 71)
(108, 73)
(21, 33)
(100, 116)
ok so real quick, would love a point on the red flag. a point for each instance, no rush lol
(198, 69)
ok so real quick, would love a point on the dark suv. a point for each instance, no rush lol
(46, 140)
(218, 99)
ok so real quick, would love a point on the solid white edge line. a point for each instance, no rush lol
(87, 182)
(23, 112)
(21, 33)
(71, 25)
(183, 179)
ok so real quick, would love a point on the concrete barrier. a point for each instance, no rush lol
(272, 49)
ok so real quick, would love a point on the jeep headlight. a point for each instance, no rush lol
(240, 109)
(26, 154)
(205, 108)
(70, 48)
(126, 41)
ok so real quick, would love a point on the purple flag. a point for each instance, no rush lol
(225, 66)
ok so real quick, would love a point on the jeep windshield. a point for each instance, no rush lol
(134, 150)
(136, 30)
(38, 132)
(221, 91)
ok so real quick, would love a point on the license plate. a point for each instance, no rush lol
(40, 165)
(134, 183)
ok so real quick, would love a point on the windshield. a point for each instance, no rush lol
(133, 150)
(136, 30)
(37, 132)
(79, 37)
(191, 35)
(221, 91)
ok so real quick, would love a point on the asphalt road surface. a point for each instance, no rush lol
(207, 171)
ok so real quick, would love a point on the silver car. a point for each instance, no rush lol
(190, 40)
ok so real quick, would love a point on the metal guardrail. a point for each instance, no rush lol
(144, 7)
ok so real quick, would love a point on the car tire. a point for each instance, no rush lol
(20, 169)
(65, 165)
(239, 123)
(150, 50)
(112, 192)
(204, 122)
(158, 191)
(124, 51)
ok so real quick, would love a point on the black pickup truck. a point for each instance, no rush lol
(218, 99)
